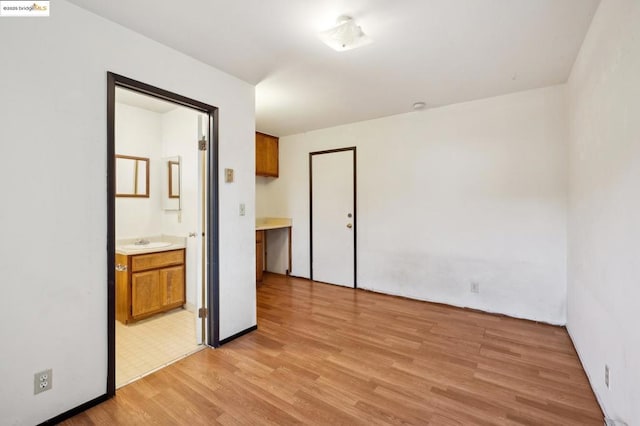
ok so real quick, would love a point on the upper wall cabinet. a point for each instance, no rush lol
(266, 155)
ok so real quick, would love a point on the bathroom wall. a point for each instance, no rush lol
(53, 219)
(604, 226)
(139, 134)
(468, 192)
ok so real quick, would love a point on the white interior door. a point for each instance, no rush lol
(199, 241)
(333, 218)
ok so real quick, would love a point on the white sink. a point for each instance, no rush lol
(151, 245)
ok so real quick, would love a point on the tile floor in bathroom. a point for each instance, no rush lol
(145, 346)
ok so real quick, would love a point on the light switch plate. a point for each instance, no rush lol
(228, 175)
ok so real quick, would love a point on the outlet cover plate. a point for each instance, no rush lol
(42, 381)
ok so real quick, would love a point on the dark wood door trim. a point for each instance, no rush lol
(211, 240)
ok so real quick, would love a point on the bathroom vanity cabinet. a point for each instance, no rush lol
(150, 283)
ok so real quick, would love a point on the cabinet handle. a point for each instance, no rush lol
(120, 267)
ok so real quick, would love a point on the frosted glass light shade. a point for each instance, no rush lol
(346, 35)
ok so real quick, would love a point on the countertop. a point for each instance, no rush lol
(266, 223)
(176, 244)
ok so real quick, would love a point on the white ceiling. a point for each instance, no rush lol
(437, 51)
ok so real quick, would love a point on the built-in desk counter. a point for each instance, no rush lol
(267, 223)
(263, 225)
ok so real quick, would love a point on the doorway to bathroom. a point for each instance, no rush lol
(162, 228)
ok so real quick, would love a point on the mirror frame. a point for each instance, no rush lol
(135, 179)
(170, 183)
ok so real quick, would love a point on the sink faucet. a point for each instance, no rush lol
(141, 242)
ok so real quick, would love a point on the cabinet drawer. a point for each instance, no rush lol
(157, 260)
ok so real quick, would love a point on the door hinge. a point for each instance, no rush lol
(202, 144)
(203, 312)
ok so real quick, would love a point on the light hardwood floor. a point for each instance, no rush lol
(329, 355)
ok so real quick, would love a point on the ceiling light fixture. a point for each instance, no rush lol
(346, 35)
(419, 105)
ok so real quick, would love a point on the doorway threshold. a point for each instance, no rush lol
(173, 361)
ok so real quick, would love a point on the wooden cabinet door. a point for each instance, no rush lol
(146, 293)
(173, 284)
(123, 297)
(266, 155)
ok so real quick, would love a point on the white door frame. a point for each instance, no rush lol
(355, 213)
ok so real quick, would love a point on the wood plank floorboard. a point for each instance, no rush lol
(330, 355)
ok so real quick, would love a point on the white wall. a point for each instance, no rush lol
(139, 134)
(604, 231)
(53, 217)
(469, 192)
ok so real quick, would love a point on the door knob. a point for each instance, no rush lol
(349, 225)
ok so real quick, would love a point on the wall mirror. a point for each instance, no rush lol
(174, 179)
(171, 176)
(132, 176)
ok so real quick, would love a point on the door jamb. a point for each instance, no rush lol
(355, 214)
(212, 239)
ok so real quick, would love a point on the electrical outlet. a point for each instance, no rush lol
(242, 209)
(475, 287)
(42, 381)
(606, 376)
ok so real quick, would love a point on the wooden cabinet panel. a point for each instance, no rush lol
(147, 284)
(172, 282)
(259, 255)
(145, 293)
(266, 155)
(143, 262)
(123, 288)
